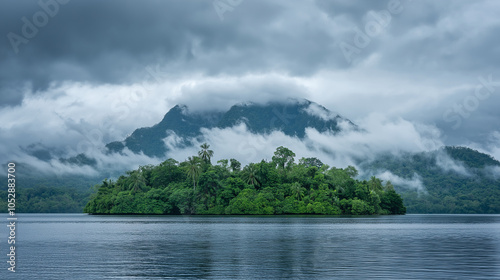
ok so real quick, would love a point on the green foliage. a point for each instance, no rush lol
(392, 202)
(471, 158)
(47, 200)
(193, 169)
(259, 189)
(235, 165)
(308, 162)
(136, 182)
(446, 191)
(251, 175)
(283, 158)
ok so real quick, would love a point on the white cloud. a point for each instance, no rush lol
(493, 172)
(448, 164)
(73, 116)
(317, 110)
(380, 136)
(493, 145)
(222, 92)
(172, 141)
(415, 183)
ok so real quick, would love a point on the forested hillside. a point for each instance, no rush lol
(38, 192)
(47, 200)
(456, 180)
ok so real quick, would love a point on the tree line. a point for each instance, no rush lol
(279, 186)
(47, 200)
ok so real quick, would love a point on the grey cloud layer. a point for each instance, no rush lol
(424, 62)
(111, 41)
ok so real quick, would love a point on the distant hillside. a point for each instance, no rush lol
(456, 180)
(471, 158)
(38, 192)
(291, 117)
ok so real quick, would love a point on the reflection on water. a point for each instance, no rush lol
(78, 246)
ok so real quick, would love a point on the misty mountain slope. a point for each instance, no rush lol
(292, 117)
(456, 180)
(471, 158)
(149, 140)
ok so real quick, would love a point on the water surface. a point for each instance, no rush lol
(79, 246)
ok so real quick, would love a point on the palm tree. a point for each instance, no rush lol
(205, 153)
(137, 181)
(375, 184)
(250, 175)
(297, 190)
(194, 169)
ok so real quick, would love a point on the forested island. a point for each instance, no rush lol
(279, 186)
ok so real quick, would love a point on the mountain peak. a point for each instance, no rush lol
(291, 116)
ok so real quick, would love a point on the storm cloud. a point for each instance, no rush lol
(76, 75)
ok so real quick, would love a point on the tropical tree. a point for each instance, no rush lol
(351, 171)
(137, 181)
(297, 190)
(375, 184)
(250, 175)
(283, 158)
(388, 186)
(194, 169)
(166, 173)
(312, 161)
(235, 165)
(205, 154)
(223, 163)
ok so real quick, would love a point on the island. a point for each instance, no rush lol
(277, 187)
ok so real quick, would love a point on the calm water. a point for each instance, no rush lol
(77, 246)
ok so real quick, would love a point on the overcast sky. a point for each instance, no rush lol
(75, 74)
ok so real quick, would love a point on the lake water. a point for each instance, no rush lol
(78, 246)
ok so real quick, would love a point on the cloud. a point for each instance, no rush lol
(321, 112)
(79, 83)
(88, 117)
(185, 38)
(446, 163)
(493, 172)
(415, 183)
(378, 135)
(222, 92)
(492, 146)
(346, 148)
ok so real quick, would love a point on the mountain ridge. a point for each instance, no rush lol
(291, 117)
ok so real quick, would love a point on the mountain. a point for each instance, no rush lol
(291, 117)
(178, 120)
(449, 180)
(455, 180)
